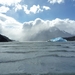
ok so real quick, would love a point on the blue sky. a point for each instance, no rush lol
(55, 9)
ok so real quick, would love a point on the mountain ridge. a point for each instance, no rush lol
(4, 38)
(49, 34)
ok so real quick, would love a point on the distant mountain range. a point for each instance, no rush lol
(49, 34)
(45, 35)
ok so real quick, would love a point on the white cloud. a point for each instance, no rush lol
(9, 2)
(26, 9)
(38, 29)
(34, 9)
(10, 27)
(3, 9)
(56, 1)
(18, 7)
(46, 8)
(42, 28)
(5, 4)
(66, 25)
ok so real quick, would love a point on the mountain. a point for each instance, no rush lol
(4, 38)
(70, 38)
(49, 34)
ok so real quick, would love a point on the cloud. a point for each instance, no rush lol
(34, 9)
(37, 29)
(10, 27)
(66, 25)
(17, 7)
(10, 5)
(56, 1)
(3, 9)
(32, 28)
(45, 29)
(46, 8)
(9, 2)
(26, 9)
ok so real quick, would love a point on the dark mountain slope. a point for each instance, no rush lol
(70, 38)
(4, 38)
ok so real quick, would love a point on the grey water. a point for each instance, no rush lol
(37, 58)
